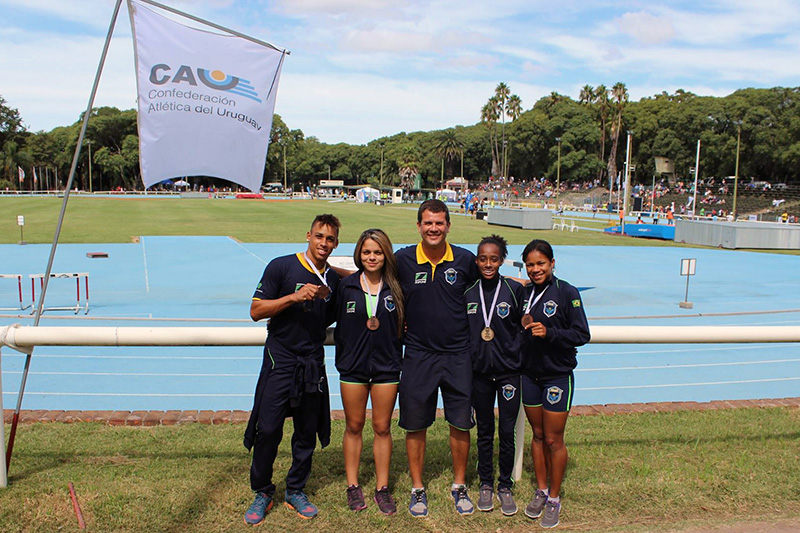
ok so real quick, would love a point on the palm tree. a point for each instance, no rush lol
(513, 110)
(603, 103)
(489, 116)
(502, 94)
(408, 167)
(587, 95)
(619, 98)
(449, 146)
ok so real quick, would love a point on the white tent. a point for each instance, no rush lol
(367, 194)
(446, 195)
(457, 183)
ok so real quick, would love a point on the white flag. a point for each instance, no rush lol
(206, 101)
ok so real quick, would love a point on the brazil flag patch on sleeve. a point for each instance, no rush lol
(576, 303)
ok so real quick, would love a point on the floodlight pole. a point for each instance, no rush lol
(558, 171)
(626, 190)
(736, 172)
(75, 156)
(696, 173)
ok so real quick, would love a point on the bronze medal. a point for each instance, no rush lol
(373, 323)
(323, 292)
(487, 334)
(526, 319)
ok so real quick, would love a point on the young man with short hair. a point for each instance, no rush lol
(434, 276)
(296, 294)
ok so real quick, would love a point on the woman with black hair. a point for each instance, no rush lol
(555, 325)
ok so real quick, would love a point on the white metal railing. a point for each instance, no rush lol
(25, 338)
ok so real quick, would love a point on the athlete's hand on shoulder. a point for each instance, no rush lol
(537, 329)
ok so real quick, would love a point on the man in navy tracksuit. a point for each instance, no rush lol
(434, 276)
(296, 293)
(496, 340)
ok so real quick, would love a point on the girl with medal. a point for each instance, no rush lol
(370, 318)
(554, 326)
(494, 311)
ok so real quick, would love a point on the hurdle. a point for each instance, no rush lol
(22, 305)
(66, 275)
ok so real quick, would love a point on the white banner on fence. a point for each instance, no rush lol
(206, 101)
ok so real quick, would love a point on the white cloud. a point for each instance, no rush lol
(646, 28)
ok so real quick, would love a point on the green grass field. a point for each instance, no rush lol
(649, 472)
(101, 220)
(644, 472)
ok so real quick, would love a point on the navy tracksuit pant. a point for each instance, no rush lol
(506, 391)
(273, 411)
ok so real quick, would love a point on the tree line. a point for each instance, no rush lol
(507, 140)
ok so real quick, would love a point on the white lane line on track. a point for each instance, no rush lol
(136, 394)
(144, 258)
(703, 384)
(145, 357)
(136, 374)
(698, 365)
(693, 348)
(134, 357)
(248, 251)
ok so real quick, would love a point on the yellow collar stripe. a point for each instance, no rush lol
(302, 258)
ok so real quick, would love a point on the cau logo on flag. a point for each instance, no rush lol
(160, 74)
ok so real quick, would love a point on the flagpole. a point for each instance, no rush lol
(38, 315)
(217, 26)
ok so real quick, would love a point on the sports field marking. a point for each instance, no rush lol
(720, 348)
(237, 243)
(699, 365)
(144, 258)
(138, 394)
(138, 374)
(704, 384)
(145, 357)
(150, 318)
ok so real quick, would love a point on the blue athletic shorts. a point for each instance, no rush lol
(551, 394)
(424, 374)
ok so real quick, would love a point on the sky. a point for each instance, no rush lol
(364, 69)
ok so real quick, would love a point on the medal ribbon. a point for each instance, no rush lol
(531, 304)
(487, 317)
(372, 308)
(324, 280)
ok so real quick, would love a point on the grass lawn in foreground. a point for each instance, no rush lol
(637, 472)
(101, 220)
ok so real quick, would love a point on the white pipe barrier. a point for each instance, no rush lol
(24, 338)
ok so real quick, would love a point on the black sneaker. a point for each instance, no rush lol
(383, 498)
(507, 503)
(485, 498)
(355, 498)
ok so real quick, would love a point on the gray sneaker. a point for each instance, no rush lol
(534, 509)
(551, 510)
(486, 498)
(507, 503)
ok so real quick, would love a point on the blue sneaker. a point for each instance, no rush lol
(419, 504)
(258, 510)
(298, 501)
(463, 503)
